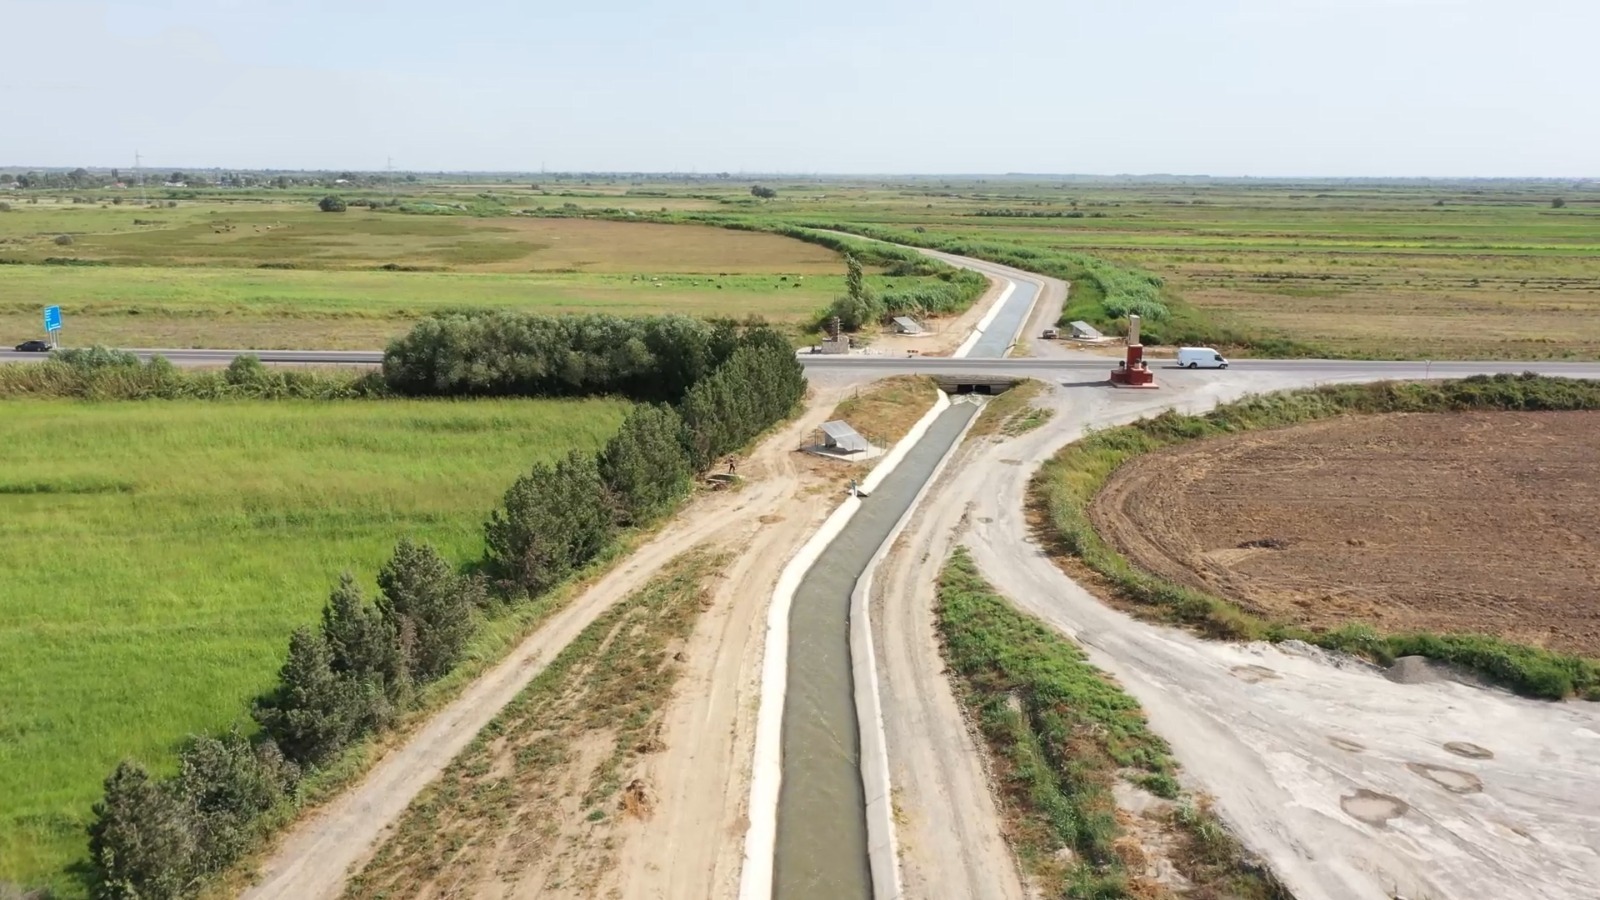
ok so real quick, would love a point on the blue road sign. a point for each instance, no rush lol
(52, 318)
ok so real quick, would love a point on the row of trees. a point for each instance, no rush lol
(654, 359)
(362, 667)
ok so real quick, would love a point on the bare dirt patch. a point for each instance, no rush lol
(1462, 522)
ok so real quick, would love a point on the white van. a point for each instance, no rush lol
(1200, 358)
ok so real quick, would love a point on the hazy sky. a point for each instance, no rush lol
(1222, 87)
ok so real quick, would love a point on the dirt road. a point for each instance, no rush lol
(949, 828)
(1351, 785)
(314, 859)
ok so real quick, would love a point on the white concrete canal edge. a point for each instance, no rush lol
(882, 849)
(766, 771)
(987, 320)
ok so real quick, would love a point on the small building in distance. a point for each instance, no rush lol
(907, 325)
(1083, 331)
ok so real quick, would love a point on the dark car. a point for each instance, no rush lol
(33, 347)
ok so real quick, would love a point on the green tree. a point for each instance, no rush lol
(1558, 203)
(420, 587)
(553, 520)
(331, 203)
(313, 714)
(365, 648)
(228, 786)
(855, 282)
(764, 193)
(140, 842)
(645, 465)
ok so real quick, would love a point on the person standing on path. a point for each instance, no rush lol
(732, 466)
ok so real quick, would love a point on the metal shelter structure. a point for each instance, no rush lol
(839, 436)
(907, 325)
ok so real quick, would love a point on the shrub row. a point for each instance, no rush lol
(1068, 483)
(100, 374)
(363, 666)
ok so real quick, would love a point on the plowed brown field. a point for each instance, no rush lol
(1481, 522)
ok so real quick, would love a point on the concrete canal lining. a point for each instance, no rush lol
(821, 847)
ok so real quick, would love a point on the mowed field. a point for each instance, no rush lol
(213, 274)
(1483, 522)
(155, 556)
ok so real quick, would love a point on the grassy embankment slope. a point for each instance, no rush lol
(155, 555)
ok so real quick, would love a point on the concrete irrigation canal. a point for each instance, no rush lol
(822, 831)
(1002, 330)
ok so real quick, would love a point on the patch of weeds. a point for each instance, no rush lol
(1061, 733)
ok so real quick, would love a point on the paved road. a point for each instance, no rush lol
(1085, 367)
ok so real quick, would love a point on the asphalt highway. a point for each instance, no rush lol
(928, 365)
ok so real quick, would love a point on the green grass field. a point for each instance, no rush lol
(212, 273)
(1422, 270)
(155, 556)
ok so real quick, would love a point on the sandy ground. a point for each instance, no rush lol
(708, 741)
(949, 828)
(1384, 519)
(691, 847)
(1351, 785)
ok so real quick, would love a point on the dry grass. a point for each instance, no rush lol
(533, 801)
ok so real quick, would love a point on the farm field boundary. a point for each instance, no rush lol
(1066, 486)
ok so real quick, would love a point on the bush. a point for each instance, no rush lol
(140, 843)
(5, 207)
(63, 240)
(331, 204)
(90, 359)
(247, 369)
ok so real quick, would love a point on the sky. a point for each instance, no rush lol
(1270, 88)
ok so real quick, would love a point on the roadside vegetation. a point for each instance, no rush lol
(702, 391)
(1065, 487)
(1062, 736)
(575, 739)
(1013, 412)
(101, 373)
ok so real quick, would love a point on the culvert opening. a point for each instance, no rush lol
(975, 384)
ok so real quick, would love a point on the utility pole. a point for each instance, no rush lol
(138, 173)
(391, 177)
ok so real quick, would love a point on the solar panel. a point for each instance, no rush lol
(841, 435)
(908, 325)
